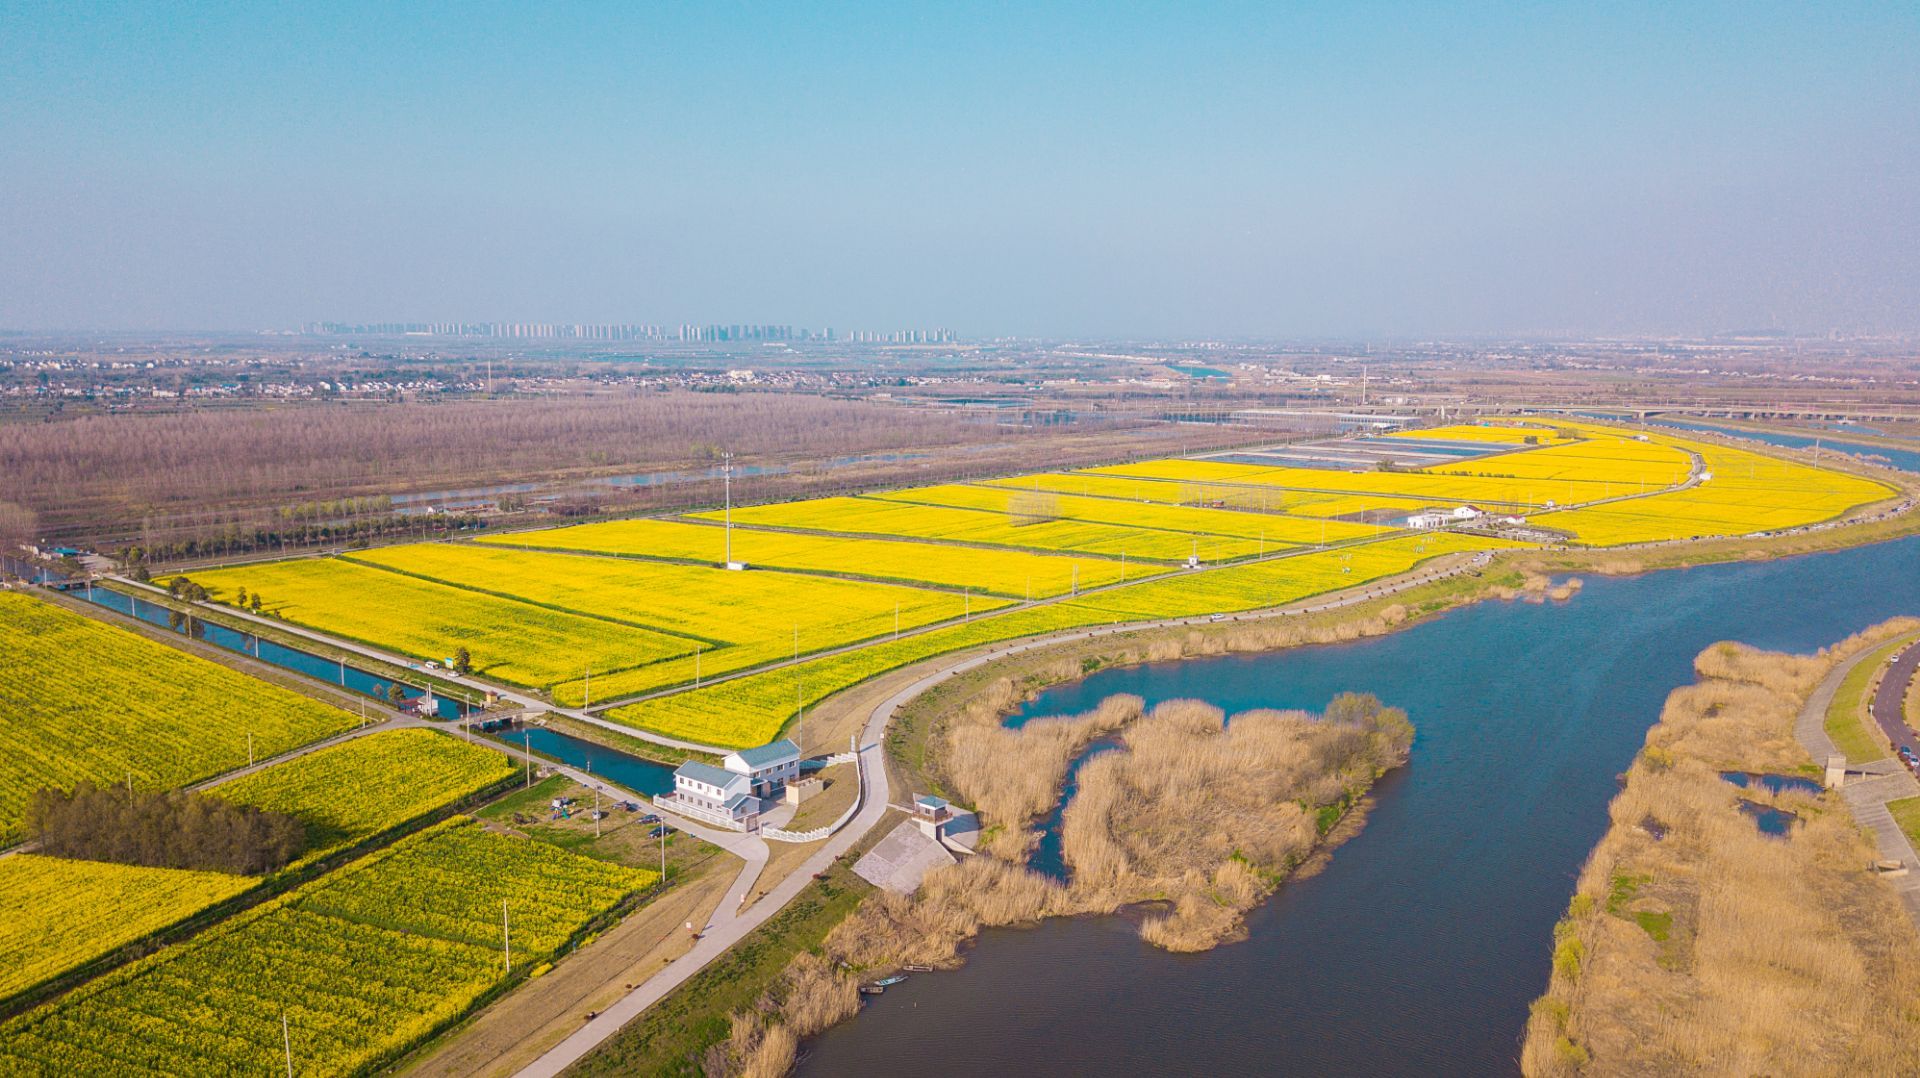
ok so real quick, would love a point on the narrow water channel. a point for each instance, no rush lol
(620, 768)
(314, 666)
(1420, 946)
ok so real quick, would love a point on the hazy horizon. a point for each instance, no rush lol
(1201, 171)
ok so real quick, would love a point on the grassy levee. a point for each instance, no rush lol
(1697, 943)
(1906, 813)
(1849, 721)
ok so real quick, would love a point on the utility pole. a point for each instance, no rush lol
(506, 938)
(286, 1040)
(586, 694)
(726, 470)
(526, 737)
(249, 748)
(896, 622)
(696, 665)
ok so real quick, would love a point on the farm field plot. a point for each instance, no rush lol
(748, 617)
(56, 914)
(1599, 467)
(875, 516)
(362, 963)
(513, 641)
(1436, 487)
(1003, 572)
(359, 788)
(752, 710)
(83, 699)
(1271, 529)
(1749, 492)
(1509, 434)
(1247, 496)
(1238, 588)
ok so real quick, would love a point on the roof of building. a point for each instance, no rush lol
(707, 773)
(767, 755)
(898, 861)
(930, 801)
(740, 801)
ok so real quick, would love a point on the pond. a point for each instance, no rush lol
(1419, 948)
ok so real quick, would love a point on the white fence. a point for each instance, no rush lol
(859, 794)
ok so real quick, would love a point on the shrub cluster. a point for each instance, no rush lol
(163, 829)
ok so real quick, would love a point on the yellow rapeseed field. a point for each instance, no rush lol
(1503, 433)
(1012, 573)
(515, 642)
(1748, 492)
(1273, 529)
(1492, 493)
(83, 699)
(744, 618)
(1030, 530)
(56, 914)
(753, 709)
(357, 789)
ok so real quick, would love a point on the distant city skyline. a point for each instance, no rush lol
(1135, 171)
(632, 331)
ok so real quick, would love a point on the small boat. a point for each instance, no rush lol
(918, 969)
(885, 981)
(871, 990)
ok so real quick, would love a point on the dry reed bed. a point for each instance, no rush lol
(1713, 947)
(1203, 816)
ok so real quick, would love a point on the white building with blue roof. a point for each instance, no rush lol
(734, 794)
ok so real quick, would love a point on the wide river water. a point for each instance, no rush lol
(1420, 946)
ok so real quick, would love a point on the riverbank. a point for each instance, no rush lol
(1732, 928)
(907, 737)
(1189, 819)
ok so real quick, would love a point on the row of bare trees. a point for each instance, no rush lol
(162, 829)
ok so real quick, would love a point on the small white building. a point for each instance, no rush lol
(1467, 512)
(1427, 521)
(768, 768)
(734, 794)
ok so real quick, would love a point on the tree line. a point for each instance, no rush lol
(162, 829)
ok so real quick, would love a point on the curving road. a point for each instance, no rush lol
(1890, 700)
(730, 924)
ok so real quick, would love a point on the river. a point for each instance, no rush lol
(1904, 459)
(1420, 946)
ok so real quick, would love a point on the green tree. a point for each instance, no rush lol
(255, 603)
(462, 661)
(396, 695)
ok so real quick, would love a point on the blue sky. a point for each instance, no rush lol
(1179, 170)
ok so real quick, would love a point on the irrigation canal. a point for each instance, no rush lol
(1419, 948)
(318, 667)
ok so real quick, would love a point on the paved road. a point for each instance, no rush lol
(729, 927)
(1868, 787)
(1890, 700)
